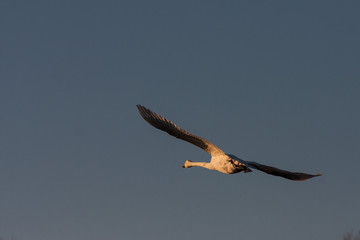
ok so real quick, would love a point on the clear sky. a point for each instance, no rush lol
(270, 81)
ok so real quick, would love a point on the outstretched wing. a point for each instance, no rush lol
(165, 125)
(296, 176)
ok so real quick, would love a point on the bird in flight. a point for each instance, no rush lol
(220, 161)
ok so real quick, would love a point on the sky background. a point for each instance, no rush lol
(270, 81)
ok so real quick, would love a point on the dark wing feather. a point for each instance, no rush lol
(296, 176)
(163, 124)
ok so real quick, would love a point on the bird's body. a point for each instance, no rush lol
(223, 163)
(220, 161)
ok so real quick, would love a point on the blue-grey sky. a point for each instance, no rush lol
(270, 81)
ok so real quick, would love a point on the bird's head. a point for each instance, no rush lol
(187, 164)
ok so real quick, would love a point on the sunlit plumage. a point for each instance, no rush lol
(225, 163)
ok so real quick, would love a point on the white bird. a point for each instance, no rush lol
(225, 163)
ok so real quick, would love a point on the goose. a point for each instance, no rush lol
(220, 161)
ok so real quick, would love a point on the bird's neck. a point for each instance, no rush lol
(201, 164)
